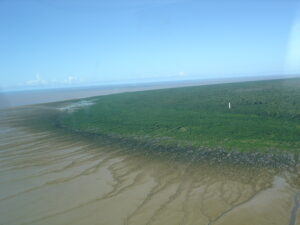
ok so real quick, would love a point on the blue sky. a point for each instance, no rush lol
(52, 43)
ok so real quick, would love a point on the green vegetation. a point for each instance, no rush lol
(265, 115)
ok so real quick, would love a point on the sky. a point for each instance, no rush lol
(54, 43)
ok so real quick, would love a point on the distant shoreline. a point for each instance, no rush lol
(9, 99)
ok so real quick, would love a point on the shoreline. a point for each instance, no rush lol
(271, 158)
(275, 159)
(17, 98)
(49, 116)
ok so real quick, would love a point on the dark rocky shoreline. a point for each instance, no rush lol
(271, 158)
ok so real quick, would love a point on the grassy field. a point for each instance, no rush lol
(265, 115)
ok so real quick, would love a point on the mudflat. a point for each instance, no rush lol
(49, 177)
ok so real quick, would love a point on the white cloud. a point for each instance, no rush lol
(71, 80)
(182, 74)
(39, 81)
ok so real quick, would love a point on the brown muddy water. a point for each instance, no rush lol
(48, 178)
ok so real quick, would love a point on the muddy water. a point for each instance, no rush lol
(51, 179)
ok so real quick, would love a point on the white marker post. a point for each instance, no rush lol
(229, 105)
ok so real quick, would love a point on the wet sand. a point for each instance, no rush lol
(48, 178)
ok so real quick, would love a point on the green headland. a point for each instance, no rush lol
(264, 116)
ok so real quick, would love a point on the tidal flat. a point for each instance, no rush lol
(49, 177)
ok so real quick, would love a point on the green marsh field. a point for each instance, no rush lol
(264, 116)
